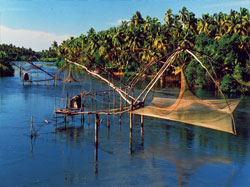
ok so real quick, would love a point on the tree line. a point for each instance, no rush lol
(221, 41)
(10, 53)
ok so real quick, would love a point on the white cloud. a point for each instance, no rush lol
(229, 4)
(37, 40)
(119, 22)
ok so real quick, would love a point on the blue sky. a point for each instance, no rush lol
(37, 23)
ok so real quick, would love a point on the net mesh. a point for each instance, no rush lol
(190, 109)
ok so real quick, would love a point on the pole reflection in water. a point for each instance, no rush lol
(96, 142)
(96, 159)
(131, 142)
(32, 143)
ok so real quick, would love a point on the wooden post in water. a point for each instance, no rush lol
(141, 125)
(142, 138)
(130, 142)
(96, 159)
(66, 104)
(96, 128)
(55, 112)
(120, 118)
(108, 121)
(82, 110)
(70, 99)
(66, 107)
(130, 117)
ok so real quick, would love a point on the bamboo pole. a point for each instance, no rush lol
(121, 92)
(130, 142)
(130, 118)
(82, 110)
(142, 135)
(96, 159)
(96, 128)
(40, 69)
(142, 125)
(159, 74)
(55, 110)
(108, 121)
(66, 104)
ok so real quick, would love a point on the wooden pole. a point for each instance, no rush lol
(130, 142)
(96, 159)
(130, 117)
(142, 138)
(142, 125)
(55, 112)
(66, 104)
(82, 110)
(121, 92)
(120, 120)
(108, 121)
(96, 128)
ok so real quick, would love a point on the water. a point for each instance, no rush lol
(169, 154)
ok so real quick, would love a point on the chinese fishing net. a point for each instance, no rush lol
(190, 109)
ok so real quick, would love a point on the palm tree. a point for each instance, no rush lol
(183, 16)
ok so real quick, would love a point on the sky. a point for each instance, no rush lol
(37, 23)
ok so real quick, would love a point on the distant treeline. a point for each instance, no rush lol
(10, 53)
(223, 39)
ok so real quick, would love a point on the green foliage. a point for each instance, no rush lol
(52, 59)
(10, 53)
(228, 84)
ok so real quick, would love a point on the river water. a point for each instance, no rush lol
(168, 154)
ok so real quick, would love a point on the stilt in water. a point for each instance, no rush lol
(66, 104)
(82, 110)
(96, 128)
(130, 142)
(131, 117)
(108, 121)
(55, 113)
(142, 137)
(96, 159)
(120, 120)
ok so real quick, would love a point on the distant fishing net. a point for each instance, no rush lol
(30, 66)
(68, 74)
(190, 109)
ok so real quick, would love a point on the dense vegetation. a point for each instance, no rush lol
(221, 37)
(10, 53)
